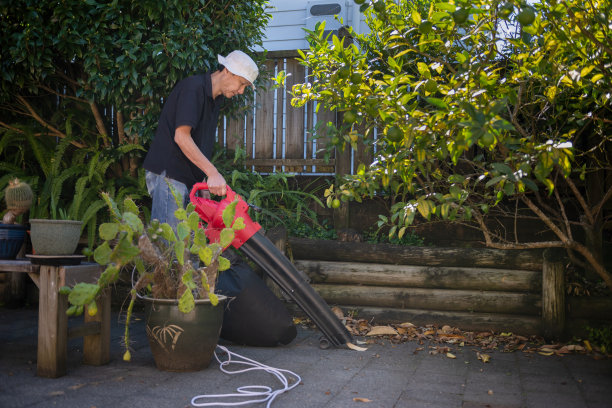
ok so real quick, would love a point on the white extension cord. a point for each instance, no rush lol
(263, 393)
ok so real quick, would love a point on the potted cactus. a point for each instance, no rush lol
(173, 272)
(18, 196)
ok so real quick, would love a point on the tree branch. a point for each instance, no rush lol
(597, 209)
(581, 200)
(546, 220)
(99, 122)
(31, 112)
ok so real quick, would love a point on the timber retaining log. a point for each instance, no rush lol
(421, 276)
(431, 299)
(327, 250)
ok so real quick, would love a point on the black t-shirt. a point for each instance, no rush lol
(190, 103)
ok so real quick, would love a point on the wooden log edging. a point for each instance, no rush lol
(507, 280)
(553, 294)
(525, 325)
(431, 299)
(327, 250)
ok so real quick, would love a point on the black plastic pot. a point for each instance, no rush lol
(183, 341)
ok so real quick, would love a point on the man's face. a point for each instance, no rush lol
(235, 85)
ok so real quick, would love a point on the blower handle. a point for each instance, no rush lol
(197, 187)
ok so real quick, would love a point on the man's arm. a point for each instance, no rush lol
(216, 182)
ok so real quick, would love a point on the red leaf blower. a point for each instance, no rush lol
(264, 253)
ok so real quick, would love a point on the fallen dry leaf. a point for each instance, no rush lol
(490, 392)
(354, 347)
(357, 399)
(546, 353)
(485, 358)
(338, 312)
(56, 393)
(381, 331)
(406, 325)
(451, 355)
(76, 386)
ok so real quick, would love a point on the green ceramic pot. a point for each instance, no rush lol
(55, 237)
(183, 341)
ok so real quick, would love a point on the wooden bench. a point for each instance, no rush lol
(53, 331)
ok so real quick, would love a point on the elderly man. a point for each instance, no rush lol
(185, 133)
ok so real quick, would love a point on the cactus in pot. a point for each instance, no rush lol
(18, 196)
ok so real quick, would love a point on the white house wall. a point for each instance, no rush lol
(285, 31)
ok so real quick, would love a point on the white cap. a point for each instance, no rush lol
(238, 63)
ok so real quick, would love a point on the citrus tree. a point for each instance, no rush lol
(95, 71)
(478, 110)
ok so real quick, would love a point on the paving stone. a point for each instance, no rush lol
(388, 375)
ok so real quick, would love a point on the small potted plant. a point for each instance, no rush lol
(173, 271)
(59, 215)
(18, 196)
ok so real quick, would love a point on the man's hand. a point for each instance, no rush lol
(216, 184)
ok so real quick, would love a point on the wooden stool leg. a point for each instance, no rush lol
(96, 347)
(52, 325)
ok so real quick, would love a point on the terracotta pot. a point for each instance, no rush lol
(183, 341)
(55, 237)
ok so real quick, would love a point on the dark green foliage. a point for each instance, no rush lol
(601, 337)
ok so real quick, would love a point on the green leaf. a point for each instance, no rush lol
(187, 280)
(224, 264)
(124, 252)
(83, 293)
(130, 206)
(214, 300)
(167, 232)
(205, 255)
(102, 253)
(186, 302)
(424, 207)
(437, 102)
(423, 70)
(179, 251)
(108, 231)
(229, 213)
(182, 230)
(180, 214)
(133, 221)
(239, 224)
(110, 275)
(194, 221)
(200, 237)
(502, 168)
(226, 237)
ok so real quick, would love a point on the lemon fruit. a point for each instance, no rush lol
(460, 16)
(431, 86)
(335, 203)
(506, 9)
(425, 27)
(350, 117)
(487, 139)
(344, 72)
(395, 134)
(526, 16)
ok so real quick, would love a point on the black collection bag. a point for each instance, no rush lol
(253, 315)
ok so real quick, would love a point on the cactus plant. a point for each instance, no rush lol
(18, 196)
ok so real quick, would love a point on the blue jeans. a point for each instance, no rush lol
(164, 205)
